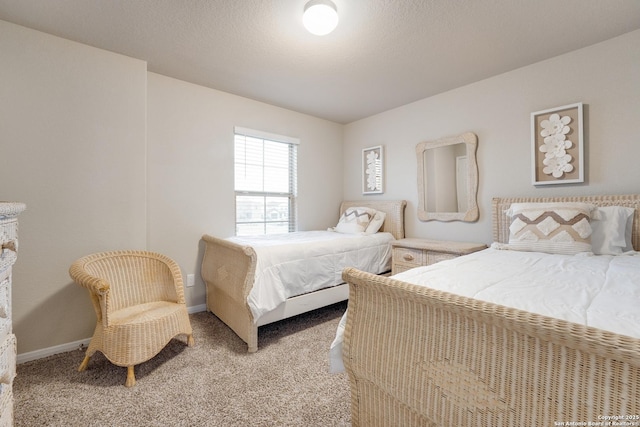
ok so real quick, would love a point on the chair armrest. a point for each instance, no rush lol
(97, 287)
(176, 273)
(94, 284)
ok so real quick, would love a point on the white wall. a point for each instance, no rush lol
(105, 159)
(190, 135)
(605, 77)
(72, 147)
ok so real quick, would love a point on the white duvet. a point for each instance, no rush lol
(601, 291)
(297, 263)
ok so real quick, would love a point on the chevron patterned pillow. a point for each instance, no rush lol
(557, 228)
(355, 220)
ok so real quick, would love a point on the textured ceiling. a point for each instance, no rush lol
(383, 54)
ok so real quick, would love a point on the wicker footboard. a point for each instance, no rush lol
(420, 357)
(228, 270)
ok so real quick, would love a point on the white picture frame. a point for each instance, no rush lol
(557, 145)
(372, 170)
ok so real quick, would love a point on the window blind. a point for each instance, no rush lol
(265, 182)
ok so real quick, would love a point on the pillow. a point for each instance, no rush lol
(628, 233)
(609, 235)
(555, 227)
(376, 223)
(355, 220)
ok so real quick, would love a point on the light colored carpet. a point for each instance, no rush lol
(214, 383)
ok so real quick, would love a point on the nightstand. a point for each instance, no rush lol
(410, 253)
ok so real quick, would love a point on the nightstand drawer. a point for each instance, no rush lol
(410, 256)
(5, 298)
(8, 359)
(410, 253)
(399, 267)
(6, 405)
(432, 257)
(8, 232)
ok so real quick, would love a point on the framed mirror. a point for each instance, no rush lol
(448, 179)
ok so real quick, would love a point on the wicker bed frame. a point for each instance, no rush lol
(418, 356)
(228, 270)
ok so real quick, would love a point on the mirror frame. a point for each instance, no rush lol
(472, 214)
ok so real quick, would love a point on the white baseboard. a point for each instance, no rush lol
(197, 308)
(63, 348)
(50, 351)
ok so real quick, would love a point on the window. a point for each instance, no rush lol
(265, 182)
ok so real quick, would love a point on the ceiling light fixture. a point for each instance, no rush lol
(320, 17)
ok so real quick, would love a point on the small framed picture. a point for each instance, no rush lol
(372, 170)
(557, 146)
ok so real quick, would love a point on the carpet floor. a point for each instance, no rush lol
(215, 383)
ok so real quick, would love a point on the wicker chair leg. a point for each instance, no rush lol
(190, 341)
(131, 377)
(84, 364)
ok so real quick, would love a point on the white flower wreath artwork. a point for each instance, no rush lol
(372, 162)
(557, 135)
(554, 131)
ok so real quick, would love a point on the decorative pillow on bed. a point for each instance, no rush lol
(557, 228)
(610, 230)
(376, 223)
(629, 234)
(355, 220)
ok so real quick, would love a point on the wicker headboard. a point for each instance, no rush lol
(393, 222)
(501, 221)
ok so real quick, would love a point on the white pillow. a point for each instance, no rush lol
(610, 230)
(376, 223)
(355, 220)
(556, 227)
(628, 233)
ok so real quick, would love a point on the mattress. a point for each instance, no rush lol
(600, 291)
(297, 263)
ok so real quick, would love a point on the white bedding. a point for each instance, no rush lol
(601, 291)
(297, 263)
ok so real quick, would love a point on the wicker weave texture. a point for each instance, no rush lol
(6, 405)
(228, 270)
(421, 357)
(9, 212)
(417, 356)
(11, 209)
(501, 221)
(139, 301)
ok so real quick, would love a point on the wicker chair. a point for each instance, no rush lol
(139, 302)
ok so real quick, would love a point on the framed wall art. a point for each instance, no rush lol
(372, 170)
(557, 145)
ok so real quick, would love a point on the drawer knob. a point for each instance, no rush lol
(12, 245)
(408, 257)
